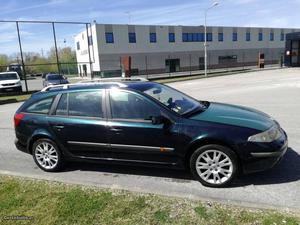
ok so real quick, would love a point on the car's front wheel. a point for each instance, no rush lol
(47, 155)
(214, 165)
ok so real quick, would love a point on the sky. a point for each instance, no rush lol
(38, 37)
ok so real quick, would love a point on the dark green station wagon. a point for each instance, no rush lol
(145, 123)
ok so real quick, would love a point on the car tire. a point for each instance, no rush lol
(47, 155)
(214, 165)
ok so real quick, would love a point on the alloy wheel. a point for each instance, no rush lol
(214, 167)
(46, 155)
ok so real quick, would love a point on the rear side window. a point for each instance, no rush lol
(41, 107)
(86, 104)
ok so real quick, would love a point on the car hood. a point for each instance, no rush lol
(235, 115)
(9, 81)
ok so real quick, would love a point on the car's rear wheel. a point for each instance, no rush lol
(47, 155)
(214, 165)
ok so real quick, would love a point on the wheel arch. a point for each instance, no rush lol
(207, 141)
(36, 137)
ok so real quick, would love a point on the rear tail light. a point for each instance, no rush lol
(17, 118)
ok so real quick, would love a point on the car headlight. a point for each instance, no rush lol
(18, 83)
(267, 136)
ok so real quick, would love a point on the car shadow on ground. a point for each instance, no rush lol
(288, 170)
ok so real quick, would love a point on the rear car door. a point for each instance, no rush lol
(132, 135)
(79, 123)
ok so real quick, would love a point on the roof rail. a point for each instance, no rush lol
(115, 79)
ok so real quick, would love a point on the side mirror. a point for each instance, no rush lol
(159, 120)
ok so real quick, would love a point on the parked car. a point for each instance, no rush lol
(54, 79)
(146, 123)
(16, 67)
(10, 81)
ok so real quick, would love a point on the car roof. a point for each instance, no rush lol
(106, 83)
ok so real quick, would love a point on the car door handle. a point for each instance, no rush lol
(59, 127)
(115, 129)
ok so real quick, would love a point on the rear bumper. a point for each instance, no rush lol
(267, 156)
(21, 147)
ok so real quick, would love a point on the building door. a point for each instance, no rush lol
(295, 53)
(84, 70)
(172, 65)
(201, 63)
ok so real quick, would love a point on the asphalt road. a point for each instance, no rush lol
(275, 92)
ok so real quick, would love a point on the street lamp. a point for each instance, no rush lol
(205, 36)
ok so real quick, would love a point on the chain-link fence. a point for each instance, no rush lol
(157, 65)
(36, 48)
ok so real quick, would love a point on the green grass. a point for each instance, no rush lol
(55, 203)
(17, 98)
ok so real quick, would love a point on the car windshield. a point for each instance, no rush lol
(55, 77)
(8, 76)
(173, 99)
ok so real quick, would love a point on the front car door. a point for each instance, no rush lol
(79, 123)
(131, 133)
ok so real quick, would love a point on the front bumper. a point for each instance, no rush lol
(10, 88)
(263, 156)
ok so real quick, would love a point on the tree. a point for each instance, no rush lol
(4, 61)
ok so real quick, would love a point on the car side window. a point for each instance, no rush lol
(41, 107)
(85, 103)
(126, 105)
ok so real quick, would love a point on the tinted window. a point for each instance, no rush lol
(209, 37)
(62, 105)
(88, 103)
(260, 36)
(220, 37)
(171, 37)
(132, 37)
(234, 37)
(41, 106)
(152, 37)
(109, 37)
(126, 105)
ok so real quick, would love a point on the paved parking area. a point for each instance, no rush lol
(276, 92)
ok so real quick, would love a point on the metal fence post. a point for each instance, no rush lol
(88, 42)
(190, 64)
(22, 59)
(55, 45)
(146, 66)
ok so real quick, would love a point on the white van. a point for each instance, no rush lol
(10, 81)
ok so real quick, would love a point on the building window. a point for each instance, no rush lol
(109, 37)
(152, 37)
(209, 37)
(78, 45)
(193, 37)
(171, 37)
(132, 37)
(248, 36)
(220, 37)
(90, 40)
(282, 36)
(271, 36)
(260, 36)
(234, 36)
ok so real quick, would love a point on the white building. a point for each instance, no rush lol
(159, 49)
